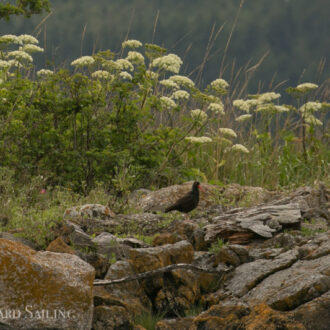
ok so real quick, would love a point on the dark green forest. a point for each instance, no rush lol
(291, 36)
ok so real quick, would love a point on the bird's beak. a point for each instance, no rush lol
(201, 188)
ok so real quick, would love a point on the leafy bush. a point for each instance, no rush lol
(131, 120)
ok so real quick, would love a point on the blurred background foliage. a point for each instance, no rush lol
(294, 34)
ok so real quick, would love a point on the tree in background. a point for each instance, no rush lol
(22, 7)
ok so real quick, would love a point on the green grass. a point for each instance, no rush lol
(217, 246)
(149, 320)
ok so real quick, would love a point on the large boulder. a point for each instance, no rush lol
(97, 211)
(43, 290)
(160, 199)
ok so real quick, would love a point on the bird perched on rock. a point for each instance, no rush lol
(189, 201)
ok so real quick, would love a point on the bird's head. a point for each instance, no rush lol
(197, 185)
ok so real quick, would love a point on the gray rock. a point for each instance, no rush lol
(291, 287)
(79, 238)
(95, 211)
(109, 245)
(247, 276)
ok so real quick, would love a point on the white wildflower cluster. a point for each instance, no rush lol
(83, 61)
(101, 74)
(44, 73)
(132, 44)
(240, 148)
(281, 108)
(245, 105)
(219, 84)
(125, 75)
(262, 102)
(180, 95)
(152, 75)
(198, 115)
(227, 132)
(10, 39)
(307, 111)
(198, 139)
(30, 48)
(265, 107)
(217, 107)
(306, 87)
(169, 83)
(19, 55)
(310, 107)
(182, 81)
(15, 63)
(124, 64)
(4, 64)
(135, 57)
(312, 120)
(28, 39)
(170, 62)
(111, 65)
(244, 117)
(167, 102)
(268, 97)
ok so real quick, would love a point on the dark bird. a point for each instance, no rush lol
(189, 201)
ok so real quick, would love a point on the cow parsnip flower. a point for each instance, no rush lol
(240, 148)
(268, 97)
(83, 61)
(111, 65)
(20, 55)
(180, 95)
(28, 39)
(44, 73)
(182, 81)
(281, 108)
(198, 115)
(216, 107)
(227, 132)
(10, 39)
(125, 64)
(243, 118)
(167, 102)
(306, 87)
(311, 120)
(242, 105)
(131, 43)
(125, 75)
(15, 63)
(101, 74)
(4, 64)
(310, 107)
(30, 48)
(169, 83)
(170, 62)
(135, 57)
(198, 139)
(219, 84)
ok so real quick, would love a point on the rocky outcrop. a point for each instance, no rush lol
(43, 290)
(159, 200)
(261, 266)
